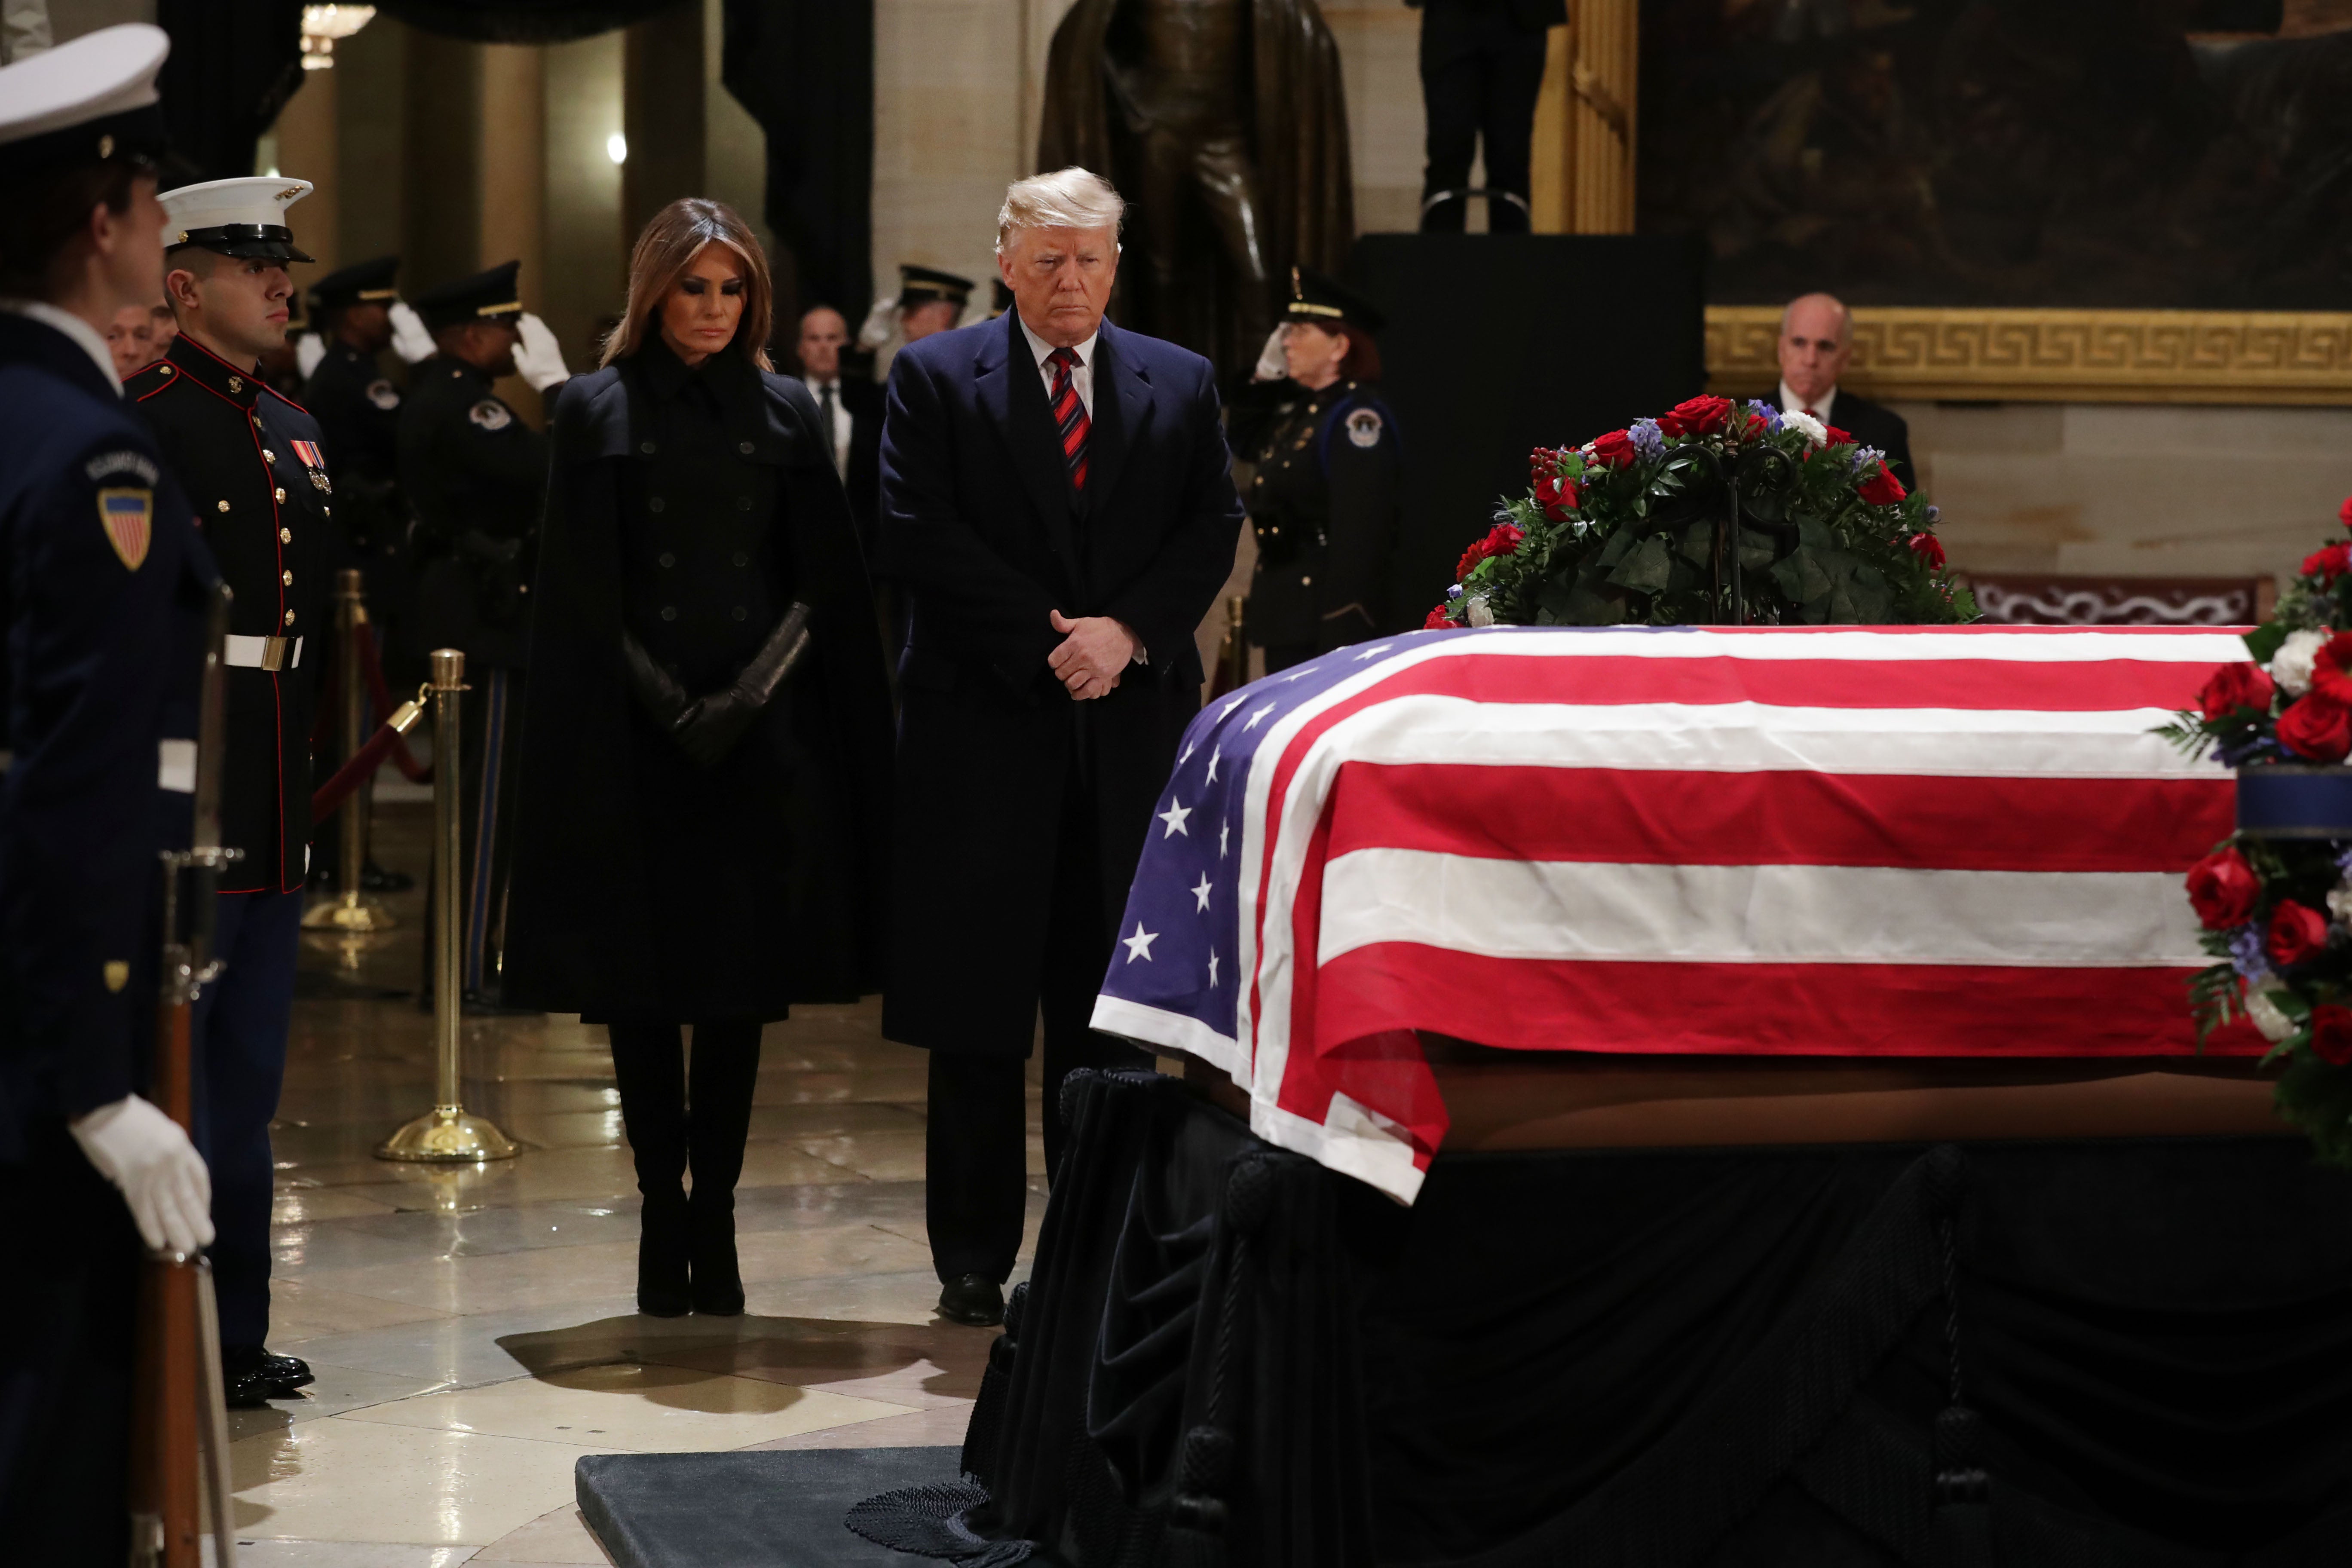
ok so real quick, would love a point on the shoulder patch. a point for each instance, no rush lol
(108, 463)
(127, 515)
(490, 414)
(1364, 427)
(384, 394)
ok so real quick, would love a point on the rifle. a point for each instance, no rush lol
(179, 1404)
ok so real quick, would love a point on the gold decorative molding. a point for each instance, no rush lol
(1586, 121)
(2058, 356)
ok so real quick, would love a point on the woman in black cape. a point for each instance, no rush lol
(706, 744)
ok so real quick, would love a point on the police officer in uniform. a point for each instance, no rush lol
(928, 300)
(359, 408)
(102, 589)
(1324, 498)
(475, 473)
(255, 466)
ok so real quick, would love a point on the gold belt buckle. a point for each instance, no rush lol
(273, 652)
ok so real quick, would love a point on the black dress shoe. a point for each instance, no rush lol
(663, 1291)
(973, 1299)
(249, 1381)
(292, 1372)
(718, 1278)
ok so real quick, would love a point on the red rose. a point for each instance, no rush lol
(1557, 496)
(2343, 513)
(2223, 888)
(2297, 932)
(2236, 686)
(1437, 621)
(1883, 488)
(1929, 549)
(1838, 437)
(2331, 1033)
(2317, 728)
(2328, 564)
(2331, 667)
(1696, 417)
(1614, 450)
(1757, 425)
(1503, 539)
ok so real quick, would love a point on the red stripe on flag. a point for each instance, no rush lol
(1780, 817)
(1759, 1009)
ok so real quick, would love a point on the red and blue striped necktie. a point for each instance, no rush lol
(1070, 414)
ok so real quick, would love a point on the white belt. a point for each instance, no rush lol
(265, 653)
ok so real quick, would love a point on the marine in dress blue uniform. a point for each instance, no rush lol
(255, 466)
(103, 585)
(1324, 498)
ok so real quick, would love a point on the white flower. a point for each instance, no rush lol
(1812, 428)
(2291, 666)
(2340, 902)
(2274, 1024)
(1479, 614)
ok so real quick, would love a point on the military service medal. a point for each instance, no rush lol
(128, 516)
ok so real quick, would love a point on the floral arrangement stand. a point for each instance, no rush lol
(1710, 514)
(2275, 897)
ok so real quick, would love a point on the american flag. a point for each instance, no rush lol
(1897, 841)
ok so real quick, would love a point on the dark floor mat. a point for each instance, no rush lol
(765, 1509)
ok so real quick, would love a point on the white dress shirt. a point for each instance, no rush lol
(1790, 403)
(1082, 373)
(838, 437)
(85, 336)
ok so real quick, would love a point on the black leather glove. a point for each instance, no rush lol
(656, 689)
(711, 726)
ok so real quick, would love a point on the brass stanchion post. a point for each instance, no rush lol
(351, 908)
(447, 1133)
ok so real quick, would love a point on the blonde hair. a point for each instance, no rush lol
(1067, 199)
(677, 234)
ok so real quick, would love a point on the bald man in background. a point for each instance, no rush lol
(1816, 339)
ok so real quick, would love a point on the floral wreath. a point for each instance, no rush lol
(2275, 896)
(1624, 529)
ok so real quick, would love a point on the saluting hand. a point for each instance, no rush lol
(1096, 651)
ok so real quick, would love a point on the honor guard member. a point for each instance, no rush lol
(1324, 498)
(928, 301)
(254, 465)
(103, 586)
(474, 473)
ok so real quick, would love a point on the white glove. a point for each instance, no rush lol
(881, 323)
(309, 350)
(163, 1178)
(410, 341)
(1273, 364)
(538, 358)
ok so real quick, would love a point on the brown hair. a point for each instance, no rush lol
(1363, 361)
(47, 211)
(668, 246)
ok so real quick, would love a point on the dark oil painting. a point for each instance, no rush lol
(2191, 154)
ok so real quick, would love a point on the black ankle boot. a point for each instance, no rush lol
(663, 1291)
(717, 1280)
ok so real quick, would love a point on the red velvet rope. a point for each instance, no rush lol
(329, 796)
(381, 694)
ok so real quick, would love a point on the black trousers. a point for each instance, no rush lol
(976, 1143)
(68, 1335)
(1480, 75)
(677, 1123)
(491, 729)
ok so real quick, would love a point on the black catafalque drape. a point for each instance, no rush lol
(2119, 1354)
(804, 70)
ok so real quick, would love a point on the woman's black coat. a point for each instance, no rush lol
(598, 833)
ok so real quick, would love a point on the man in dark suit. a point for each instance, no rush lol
(1816, 339)
(1058, 506)
(1482, 67)
(849, 414)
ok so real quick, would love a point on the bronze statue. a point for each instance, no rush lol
(1224, 125)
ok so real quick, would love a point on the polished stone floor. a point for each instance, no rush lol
(473, 1330)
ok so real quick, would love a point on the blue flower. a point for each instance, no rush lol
(1455, 591)
(1864, 456)
(1933, 513)
(1648, 439)
(2247, 957)
(1765, 411)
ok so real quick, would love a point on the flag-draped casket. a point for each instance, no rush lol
(1882, 841)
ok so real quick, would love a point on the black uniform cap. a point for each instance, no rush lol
(485, 296)
(922, 285)
(361, 283)
(1326, 303)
